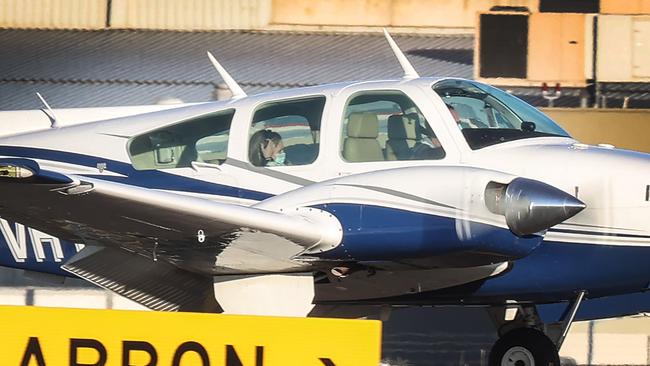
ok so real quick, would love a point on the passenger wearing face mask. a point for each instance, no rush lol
(267, 149)
(274, 151)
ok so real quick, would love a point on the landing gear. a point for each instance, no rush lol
(525, 340)
(524, 347)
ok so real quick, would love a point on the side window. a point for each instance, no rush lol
(386, 126)
(201, 139)
(286, 132)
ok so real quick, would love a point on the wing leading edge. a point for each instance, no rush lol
(193, 233)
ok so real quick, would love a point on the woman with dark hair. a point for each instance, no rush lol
(266, 149)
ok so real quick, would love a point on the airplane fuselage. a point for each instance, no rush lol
(400, 215)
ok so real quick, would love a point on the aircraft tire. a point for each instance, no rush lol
(524, 347)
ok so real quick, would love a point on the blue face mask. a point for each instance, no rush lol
(280, 158)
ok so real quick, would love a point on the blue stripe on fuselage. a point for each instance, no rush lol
(155, 179)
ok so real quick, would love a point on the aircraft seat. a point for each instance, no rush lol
(402, 136)
(361, 143)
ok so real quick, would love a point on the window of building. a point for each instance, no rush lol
(503, 51)
(386, 126)
(286, 132)
(201, 139)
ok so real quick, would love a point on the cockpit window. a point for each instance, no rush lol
(386, 126)
(201, 139)
(286, 132)
(488, 116)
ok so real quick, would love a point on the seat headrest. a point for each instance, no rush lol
(402, 127)
(363, 125)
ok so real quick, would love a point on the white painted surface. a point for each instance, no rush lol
(72, 298)
(13, 296)
(67, 298)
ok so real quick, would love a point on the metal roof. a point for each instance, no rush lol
(117, 67)
(76, 68)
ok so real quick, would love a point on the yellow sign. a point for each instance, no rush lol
(31, 336)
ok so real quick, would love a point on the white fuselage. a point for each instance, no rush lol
(612, 183)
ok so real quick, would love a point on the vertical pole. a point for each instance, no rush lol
(648, 350)
(109, 300)
(590, 343)
(594, 57)
(109, 10)
(29, 296)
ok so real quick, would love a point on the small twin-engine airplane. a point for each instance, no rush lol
(337, 200)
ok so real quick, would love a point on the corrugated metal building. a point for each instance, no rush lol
(126, 67)
(74, 68)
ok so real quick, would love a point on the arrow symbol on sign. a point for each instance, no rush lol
(327, 362)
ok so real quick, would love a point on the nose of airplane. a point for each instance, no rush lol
(531, 206)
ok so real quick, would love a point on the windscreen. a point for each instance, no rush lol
(488, 116)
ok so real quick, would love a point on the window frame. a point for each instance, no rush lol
(341, 130)
(230, 110)
(457, 133)
(261, 105)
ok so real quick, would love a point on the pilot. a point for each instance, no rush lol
(454, 114)
(461, 122)
(267, 149)
(427, 147)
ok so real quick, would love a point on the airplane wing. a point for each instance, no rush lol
(192, 233)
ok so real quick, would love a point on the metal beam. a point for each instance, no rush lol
(568, 320)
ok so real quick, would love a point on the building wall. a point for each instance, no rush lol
(621, 341)
(625, 6)
(623, 128)
(556, 48)
(254, 14)
(623, 48)
(607, 348)
(559, 50)
(190, 14)
(85, 14)
(382, 13)
(142, 14)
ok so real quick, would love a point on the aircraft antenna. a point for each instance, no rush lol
(237, 91)
(409, 71)
(50, 112)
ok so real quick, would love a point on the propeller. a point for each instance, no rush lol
(531, 206)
